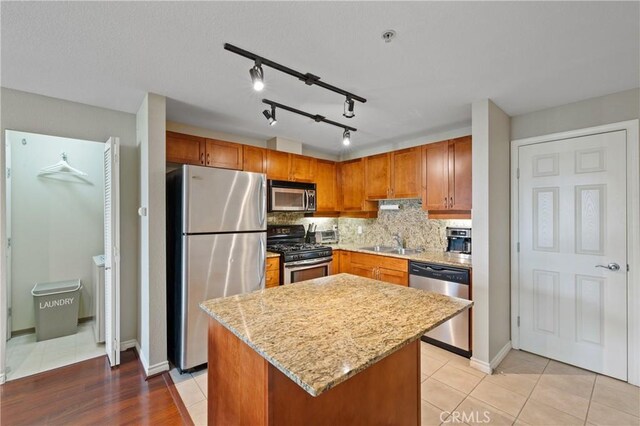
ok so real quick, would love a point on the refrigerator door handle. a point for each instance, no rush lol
(262, 262)
(261, 201)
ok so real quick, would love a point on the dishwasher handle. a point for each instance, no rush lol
(440, 272)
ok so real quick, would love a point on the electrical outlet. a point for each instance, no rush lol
(359, 230)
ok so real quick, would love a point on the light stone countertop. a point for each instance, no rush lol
(272, 254)
(322, 331)
(433, 256)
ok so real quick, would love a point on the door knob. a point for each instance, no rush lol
(612, 267)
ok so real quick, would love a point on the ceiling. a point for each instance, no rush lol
(525, 56)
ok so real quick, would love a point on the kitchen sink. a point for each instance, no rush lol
(380, 249)
(388, 249)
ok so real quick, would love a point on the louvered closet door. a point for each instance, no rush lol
(572, 217)
(112, 249)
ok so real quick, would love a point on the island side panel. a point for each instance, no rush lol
(237, 380)
(387, 393)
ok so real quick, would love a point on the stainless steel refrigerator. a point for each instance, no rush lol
(216, 246)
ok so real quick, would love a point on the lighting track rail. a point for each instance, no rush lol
(316, 117)
(308, 78)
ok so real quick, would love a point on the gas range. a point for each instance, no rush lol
(289, 242)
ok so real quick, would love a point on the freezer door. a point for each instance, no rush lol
(216, 266)
(219, 200)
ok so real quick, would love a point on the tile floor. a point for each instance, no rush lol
(25, 356)
(525, 389)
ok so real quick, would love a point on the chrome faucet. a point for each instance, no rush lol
(397, 240)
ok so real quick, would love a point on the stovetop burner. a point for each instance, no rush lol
(285, 248)
(288, 240)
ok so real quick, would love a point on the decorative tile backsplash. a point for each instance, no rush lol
(411, 222)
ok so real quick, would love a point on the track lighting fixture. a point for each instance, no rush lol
(257, 76)
(271, 116)
(307, 78)
(349, 105)
(346, 137)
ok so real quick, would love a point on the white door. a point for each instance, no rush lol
(112, 249)
(572, 224)
(7, 205)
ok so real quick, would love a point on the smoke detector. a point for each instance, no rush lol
(388, 35)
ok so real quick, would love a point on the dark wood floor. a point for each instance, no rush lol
(90, 392)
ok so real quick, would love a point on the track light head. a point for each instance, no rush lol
(257, 76)
(349, 105)
(271, 116)
(346, 137)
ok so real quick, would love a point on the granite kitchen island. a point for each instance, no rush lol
(335, 350)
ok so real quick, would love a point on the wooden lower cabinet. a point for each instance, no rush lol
(384, 268)
(273, 272)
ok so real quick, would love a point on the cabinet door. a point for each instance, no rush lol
(352, 183)
(278, 165)
(302, 168)
(225, 155)
(405, 173)
(393, 276)
(460, 174)
(377, 176)
(435, 174)
(185, 149)
(335, 265)
(362, 271)
(254, 159)
(345, 261)
(273, 272)
(326, 186)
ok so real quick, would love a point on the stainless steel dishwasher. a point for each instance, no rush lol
(452, 335)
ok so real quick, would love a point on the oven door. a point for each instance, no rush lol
(303, 270)
(288, 199)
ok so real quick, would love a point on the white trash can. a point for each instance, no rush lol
(56, 307)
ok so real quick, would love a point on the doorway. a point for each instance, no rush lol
(572, 220)
(56, 224)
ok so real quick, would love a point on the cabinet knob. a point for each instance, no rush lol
(450, 202)
(202, 158)
(445, 202)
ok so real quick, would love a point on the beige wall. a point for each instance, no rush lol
(151, 131)
(491, 269)
(592, 112)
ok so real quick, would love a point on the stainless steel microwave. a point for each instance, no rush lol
(285, 196)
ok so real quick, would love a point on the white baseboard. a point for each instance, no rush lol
(500, 355)
(128, 344)
(3, 378)
(158, 368)
(151, 370)
(485, 367)
(488, 367)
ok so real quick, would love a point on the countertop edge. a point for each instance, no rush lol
(463, 263)
(309, 389)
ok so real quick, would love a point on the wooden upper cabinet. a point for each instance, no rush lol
(185, 149)
(377, 172)
(278, 165)
(254, 159)
(225, 155)
(460, 173)
(446, 170)
(326, 186)
(435, 172)
(405, 173)
(302, 168)
(352, 184)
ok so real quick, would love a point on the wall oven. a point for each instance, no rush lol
(302, 270)
(285, 196)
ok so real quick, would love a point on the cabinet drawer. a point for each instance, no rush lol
(272, 279)
(373, 260)
(393, 277)
(273, 264)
